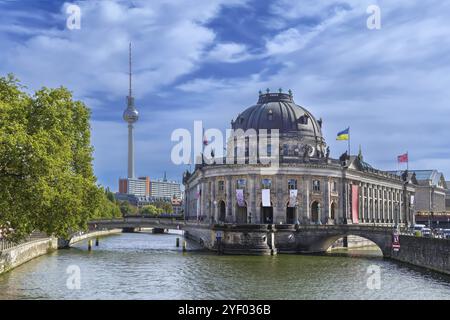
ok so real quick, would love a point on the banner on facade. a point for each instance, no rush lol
(412, 200)
(266, 198)
(240, 197)
(292, 198)
(355, 203)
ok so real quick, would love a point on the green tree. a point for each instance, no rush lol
(46, 175)
(165, 206)
(151, 210)
(128, 209)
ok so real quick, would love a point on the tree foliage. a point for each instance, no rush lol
(46, 175)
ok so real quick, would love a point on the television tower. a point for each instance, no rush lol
(130, 115)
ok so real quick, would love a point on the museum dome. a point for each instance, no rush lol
(279, 111)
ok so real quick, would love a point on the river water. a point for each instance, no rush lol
(147, 266)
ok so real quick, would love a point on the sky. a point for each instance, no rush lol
(207, 60)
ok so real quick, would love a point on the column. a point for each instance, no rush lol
(214, 203)
(279, 211)
(363, 202)
(326, 201)
(252, 198)
(228, 190)
(306, 206)
(383, 212)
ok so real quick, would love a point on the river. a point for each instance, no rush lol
(147, 266)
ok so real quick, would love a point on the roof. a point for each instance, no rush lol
(430, 177)
(279, 111)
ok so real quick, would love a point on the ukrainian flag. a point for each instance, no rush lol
(343, 135)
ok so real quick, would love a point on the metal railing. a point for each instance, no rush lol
(6, 244)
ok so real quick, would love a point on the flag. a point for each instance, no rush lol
(266, 198)
(403, 158)
(343, 135)
(292, 198)
(240, 197)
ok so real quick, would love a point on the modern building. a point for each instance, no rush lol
(164, 188)
(307, 186)
(137, 187)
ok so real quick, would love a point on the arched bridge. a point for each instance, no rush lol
(261, 238)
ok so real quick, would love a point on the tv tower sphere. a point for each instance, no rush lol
(130, 115)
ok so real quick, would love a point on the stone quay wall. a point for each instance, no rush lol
(428, 253)
(15, 256)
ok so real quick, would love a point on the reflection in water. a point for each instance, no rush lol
(146, 266)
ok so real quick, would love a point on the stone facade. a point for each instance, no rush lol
(323, 195)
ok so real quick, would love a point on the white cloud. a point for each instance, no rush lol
(229, 52)
(168, 42)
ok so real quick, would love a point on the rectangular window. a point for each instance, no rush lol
(266, 183)
(316, 185)
(221, 186)
(334, 186)
(241, 183)
(292, 184)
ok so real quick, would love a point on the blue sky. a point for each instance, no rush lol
(207, 60)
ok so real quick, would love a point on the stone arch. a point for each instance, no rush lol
(315, 211)
(333, 210)
(321, 241)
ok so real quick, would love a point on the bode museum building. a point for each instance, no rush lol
(304, 186)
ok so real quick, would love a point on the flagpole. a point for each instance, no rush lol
(349, 152)
(407, 161)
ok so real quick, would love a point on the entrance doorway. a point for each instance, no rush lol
(241, 214)
(266, 215)
(333, 211)
(315, 212)
(290, 215)
(222, 211)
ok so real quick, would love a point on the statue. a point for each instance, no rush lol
(405, 176)
(306, 151)
(344, 157)
(327, 156)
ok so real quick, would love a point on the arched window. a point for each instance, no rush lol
(303, 119)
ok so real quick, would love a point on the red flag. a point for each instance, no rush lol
(403, 158)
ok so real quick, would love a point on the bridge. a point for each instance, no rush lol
(260, 239)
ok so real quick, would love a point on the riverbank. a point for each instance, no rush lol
(22, 253)
(92, 234)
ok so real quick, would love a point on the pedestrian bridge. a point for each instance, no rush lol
(260, 238)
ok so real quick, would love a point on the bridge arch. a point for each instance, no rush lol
(320, 238)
